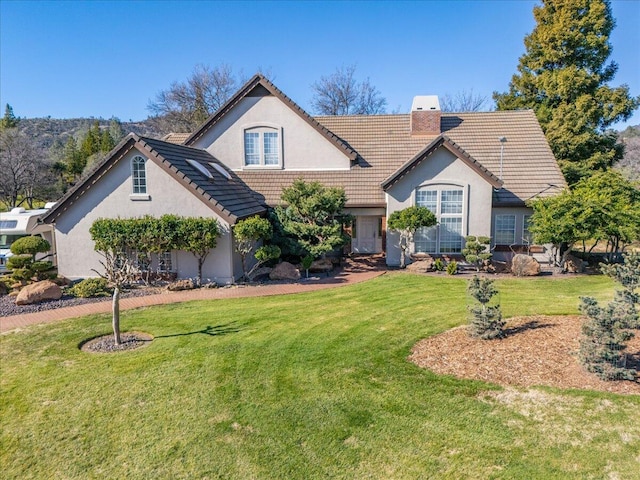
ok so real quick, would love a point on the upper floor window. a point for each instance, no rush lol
(262, 147)
(446, 203)
(139, 176)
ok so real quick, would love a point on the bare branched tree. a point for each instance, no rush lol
(464, 101)
(185, 105)
(22, 168)
(340, 94)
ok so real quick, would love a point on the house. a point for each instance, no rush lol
(475, 171)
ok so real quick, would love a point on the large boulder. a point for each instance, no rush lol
(525, 266)
(179, 285)
(38, 292)
(421, 265)
(573, 264)
(321, 265)
(284, 271)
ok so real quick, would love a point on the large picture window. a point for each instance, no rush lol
(138, 176)
(447, 204)
(262, 147)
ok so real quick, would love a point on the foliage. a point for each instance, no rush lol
(91, 287)
(313, 216)
(198, 236)
(605, 330)
(307, 261)
(452, 267)
(247, 233)
(486, 320)
(407, 222)
(602, 207)
(340, 94)
(439, 265)
(564, 76)
(9, 120)
(30, 245)
(476, 250)
(23, 173)
(185, 105)
(289, 246)
(464, 101)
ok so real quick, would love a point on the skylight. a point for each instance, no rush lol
(221, 169)
(199, 167)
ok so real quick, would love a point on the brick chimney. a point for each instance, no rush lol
(425, 115)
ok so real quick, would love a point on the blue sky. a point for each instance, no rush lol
(109, 58)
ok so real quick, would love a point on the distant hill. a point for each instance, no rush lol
(44, 131)
(630, 163)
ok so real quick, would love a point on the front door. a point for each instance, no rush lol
(367, 239)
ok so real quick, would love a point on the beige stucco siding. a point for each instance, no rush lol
(442, 168)
(302, 146)
(111, 197)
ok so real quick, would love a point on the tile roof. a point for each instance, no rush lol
(177, 138)
(225, 193)
(384, 145)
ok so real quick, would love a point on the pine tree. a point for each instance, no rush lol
(106, 141)
(486, 320)
(9, 120)
(563, 77)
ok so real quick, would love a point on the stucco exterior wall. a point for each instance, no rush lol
(302, 147)
(519, 213)
(442, 168)
(111, 197)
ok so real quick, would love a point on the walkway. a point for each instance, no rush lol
(355, 271)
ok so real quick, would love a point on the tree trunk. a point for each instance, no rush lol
(116, 315)
(200, 262)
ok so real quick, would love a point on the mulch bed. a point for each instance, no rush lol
(107, 344)
(538, 350)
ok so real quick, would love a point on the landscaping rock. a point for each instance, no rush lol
(525, 266)
(179, 285)
(574, 264)
(284, 271)
(321, 265)
(38, 292)
(260, 272)
(422, 265)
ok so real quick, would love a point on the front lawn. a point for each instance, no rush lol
(302, 386)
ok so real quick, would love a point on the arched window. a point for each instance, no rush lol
(262, 147)
(139, 176)
(447, 204)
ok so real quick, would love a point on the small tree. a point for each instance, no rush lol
(314, 216)
(198, 236)
(23, 262)
(247, 233)
(605, 330)
(486, 321)
(407, 222)
(476, 250)
(111, 238)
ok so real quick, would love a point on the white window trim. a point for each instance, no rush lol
(266, 126)
(440, 187)
(139, 195)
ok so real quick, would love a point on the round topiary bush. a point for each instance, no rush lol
(30, 246)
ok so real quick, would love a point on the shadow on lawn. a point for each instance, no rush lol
(213, 331)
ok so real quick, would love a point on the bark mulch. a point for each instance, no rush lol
(538, 350)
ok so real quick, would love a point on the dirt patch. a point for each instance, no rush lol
(537, 350)
(106, 343)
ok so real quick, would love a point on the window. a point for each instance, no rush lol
(164, 262)
(527, 237)
(447, 205)
(505, 232)
(262, 147)
(8, 224)
(139, 176)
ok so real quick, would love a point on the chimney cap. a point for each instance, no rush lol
(425, 103)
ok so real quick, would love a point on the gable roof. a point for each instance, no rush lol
(454, 148)
(259, 85)
(229, 197)
(385, 145)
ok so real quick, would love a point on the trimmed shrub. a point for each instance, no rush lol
(91, 287)
(476, 250)
(438, 265)
(452, 267)
(30, 246)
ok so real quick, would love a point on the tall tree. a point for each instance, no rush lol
(341, 94)
(464, 101)
(185, 105)
(9, 120)
(564, 76)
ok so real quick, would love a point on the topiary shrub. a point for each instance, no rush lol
(452, 267)
(476, 250)
(438, 265)
(485, 321)
(30, 246)
(91, 287)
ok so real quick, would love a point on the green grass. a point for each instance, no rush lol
(303, 386)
